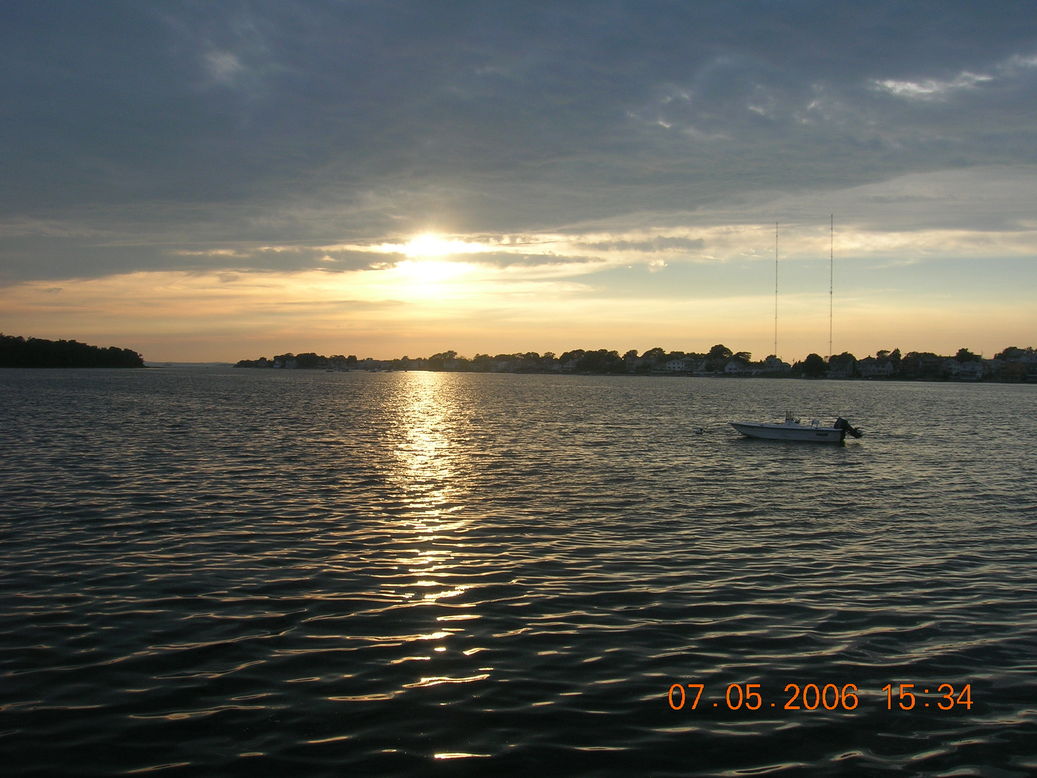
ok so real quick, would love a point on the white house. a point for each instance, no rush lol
(682, 365)
(869, 367)
(965, 371)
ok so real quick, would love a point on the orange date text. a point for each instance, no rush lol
(814, 696)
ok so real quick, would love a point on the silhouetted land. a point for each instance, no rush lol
(1011, 364)
(16, 351)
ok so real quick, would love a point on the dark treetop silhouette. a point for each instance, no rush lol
(1011, 364)
(35, 352)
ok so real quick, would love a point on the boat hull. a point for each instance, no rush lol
(794, 432)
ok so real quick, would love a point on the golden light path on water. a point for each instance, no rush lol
(426, 477)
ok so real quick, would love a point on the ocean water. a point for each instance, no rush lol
(242, 572)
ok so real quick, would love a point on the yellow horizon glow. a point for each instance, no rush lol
(390, 312)
(508, 292)
(429, 278)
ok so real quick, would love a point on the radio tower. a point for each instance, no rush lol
(831, 277)
(775, 289)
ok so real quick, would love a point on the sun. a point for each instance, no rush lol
(431, 268)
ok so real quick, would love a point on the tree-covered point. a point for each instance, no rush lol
(16, 351)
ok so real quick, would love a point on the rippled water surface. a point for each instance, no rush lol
(243, 572)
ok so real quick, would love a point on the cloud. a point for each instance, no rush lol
(507, 117)
(1014, 67)
(931, 89)
(653, 245)
(223, 67)
(225, 253)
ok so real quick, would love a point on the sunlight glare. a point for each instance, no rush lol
(427, 271)
(431, 245)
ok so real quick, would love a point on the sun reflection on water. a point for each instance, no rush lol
(428, 474)
(423, 453)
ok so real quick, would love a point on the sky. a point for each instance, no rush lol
(213, 181)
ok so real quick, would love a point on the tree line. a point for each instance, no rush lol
(16, 351)
(1013, 363)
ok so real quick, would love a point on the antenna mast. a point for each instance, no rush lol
(831, 277)
(775, 289)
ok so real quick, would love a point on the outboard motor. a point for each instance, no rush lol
(846, 427)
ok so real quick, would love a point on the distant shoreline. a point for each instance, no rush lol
(855, 379)
(1012, 365)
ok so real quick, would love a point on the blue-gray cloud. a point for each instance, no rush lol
(143, 130)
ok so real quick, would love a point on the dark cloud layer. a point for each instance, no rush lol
(175, 123)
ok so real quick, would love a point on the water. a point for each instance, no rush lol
(231, 572)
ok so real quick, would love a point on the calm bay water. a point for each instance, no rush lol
(234, 572)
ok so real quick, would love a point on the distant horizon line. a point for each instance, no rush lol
(556, 354)
(640, 355)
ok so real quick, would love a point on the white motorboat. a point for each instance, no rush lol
(791, 429)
